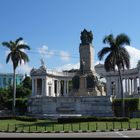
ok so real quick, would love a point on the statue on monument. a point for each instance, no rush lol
(85, 82)
(86, 37)
(42, 62)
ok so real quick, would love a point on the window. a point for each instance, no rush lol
(55, 86)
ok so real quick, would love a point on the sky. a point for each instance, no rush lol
(52, 29)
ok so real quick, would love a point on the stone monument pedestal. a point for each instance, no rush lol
(56, 107)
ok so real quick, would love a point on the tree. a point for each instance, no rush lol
(3, 97)
(27, 82)
(117, 57)
(16, 55)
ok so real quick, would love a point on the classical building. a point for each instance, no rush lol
(64, 94)
(6, 79)
(50, 83)
(130, 79)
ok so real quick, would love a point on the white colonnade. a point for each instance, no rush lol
(130, 81)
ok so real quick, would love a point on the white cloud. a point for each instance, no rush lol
(65, 56)
(7, 52)
(44, 51)
(68, 67)
(24, 68)
(22, 42)
(134, 56)
(98, 62)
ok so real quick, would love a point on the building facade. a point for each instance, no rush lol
(6, 79)
(130, 80)
(50, 83)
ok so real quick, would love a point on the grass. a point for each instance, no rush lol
(46, 125)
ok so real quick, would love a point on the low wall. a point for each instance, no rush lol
(68, 106)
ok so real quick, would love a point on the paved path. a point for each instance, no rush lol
(117, 134)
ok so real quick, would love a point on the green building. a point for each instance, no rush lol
(6, 79)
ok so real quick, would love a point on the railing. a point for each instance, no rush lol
(71, 127)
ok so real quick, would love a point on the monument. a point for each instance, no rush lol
(53, 97)
(85, 82)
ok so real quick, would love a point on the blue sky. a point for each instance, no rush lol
(52, 28)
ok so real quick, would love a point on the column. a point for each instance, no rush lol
(35, 84)
(125, 86)
(42, 90)
(52, 89)
(58, 88)
(126, 92)
(128, 86)
(65, 84)
(131, 86)
(45, 87)
(68, 87)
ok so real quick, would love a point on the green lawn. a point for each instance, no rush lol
(46, 125)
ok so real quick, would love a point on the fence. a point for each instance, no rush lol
(72, 127)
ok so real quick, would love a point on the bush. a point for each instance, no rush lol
(92, 119)
(20, 118)
(25, 118)
(21, 105)
(131, 105)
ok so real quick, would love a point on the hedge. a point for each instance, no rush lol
(92, 119)
(20, 118)
(131, 105)
(21, 105)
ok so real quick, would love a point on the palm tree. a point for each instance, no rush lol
(16, 55)
(117, 57)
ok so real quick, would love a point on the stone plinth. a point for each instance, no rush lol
(70, 106)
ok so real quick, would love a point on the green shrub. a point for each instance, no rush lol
(92, 119)
(25, 118)
(131, 105)
(20, 118)
(21, 105)
(7, 117)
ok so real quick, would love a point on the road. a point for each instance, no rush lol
(116, 134)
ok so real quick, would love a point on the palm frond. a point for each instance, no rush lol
(12, 43)
(6, 44)
(18, 40)
(8, 57)
(23, 56)
(103, 52)
(108, 39)
(125, 57)
(109, 66)
(23, 46)
(122, 39)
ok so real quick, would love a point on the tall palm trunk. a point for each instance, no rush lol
(14, 92)
(122, 95)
